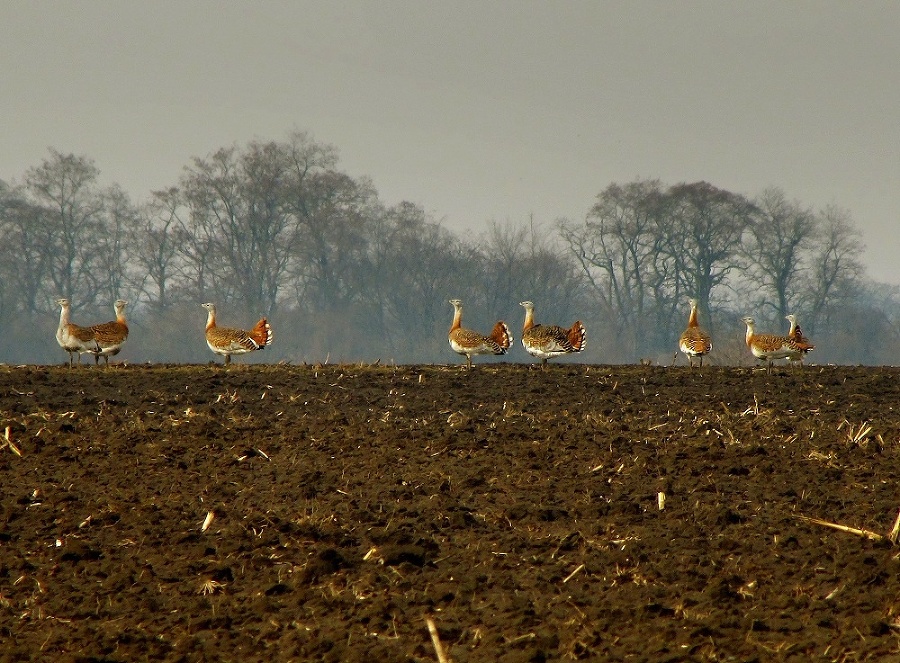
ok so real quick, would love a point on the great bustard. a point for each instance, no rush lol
(73, 338)
(546, 341)
(695, 342)
(468, 342)
(227, 342)
(111, 336)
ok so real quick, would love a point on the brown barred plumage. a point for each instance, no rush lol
(804, 345)
(468, 342)
(695, 342)
(111, 336)
(546, 341)
(768, 347)
(226, 342)
(73, 338)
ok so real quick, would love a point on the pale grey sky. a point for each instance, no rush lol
(476, 110)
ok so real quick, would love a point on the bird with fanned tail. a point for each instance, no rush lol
(768, 347)
(546, 341)
(804, 345)
(73, 338)
(469, 342)
(695, 342)
(111, 336)
(226, 342)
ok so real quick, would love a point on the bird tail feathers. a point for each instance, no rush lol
(262, 333)
(578, 336)
(501, 336)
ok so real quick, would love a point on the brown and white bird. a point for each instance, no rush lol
(468, 342)
(804, 345)
(768, 346)
(695, 342)
(111, 336)
(546, 341)
(73, 338)
(227, 342)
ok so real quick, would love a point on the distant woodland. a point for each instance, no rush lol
(277, 229)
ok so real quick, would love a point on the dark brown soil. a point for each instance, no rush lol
(516, 508)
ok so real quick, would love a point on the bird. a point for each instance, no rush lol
(804, 345)
(694, 342)
(468, 342)
(111, 336)
(546, 341)
(227, 342)
(71, 337)
(769, 346)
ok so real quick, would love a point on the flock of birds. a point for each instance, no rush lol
(547, 341)
(105, 340)
(541, 341)
(770, 347)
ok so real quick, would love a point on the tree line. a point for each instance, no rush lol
(276, 228)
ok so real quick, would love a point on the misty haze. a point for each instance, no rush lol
(278, 229)
(347, 169)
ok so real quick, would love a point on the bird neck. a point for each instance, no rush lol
(692, 320)
(63, 316)
(457, 318)
(211, 319)
(749, 334)
(529, 319)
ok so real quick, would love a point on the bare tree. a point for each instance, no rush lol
(7, 202)
(65, 187)
(867, 331)
(522, 262)
(113, 278)
(24, 258)
(237, 200)
(778, 240)
(198, 247)
(156, 247)
(836, 265)
(704, 229)
(332, 212)
(621, 253)
(416, 266)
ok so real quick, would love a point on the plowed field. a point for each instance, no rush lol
(517, 509)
